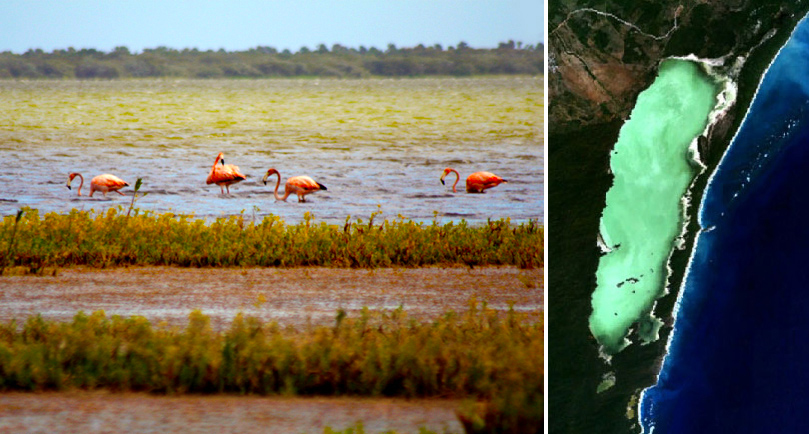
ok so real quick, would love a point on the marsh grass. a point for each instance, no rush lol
(493, 358)
(112, 238)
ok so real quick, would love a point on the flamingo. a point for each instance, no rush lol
(224, 175)
(477, 182)
(102, 183)
(300, 185)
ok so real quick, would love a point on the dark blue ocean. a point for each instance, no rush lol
(738, 358)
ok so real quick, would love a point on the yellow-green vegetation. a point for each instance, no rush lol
(261, 115)
(114, 239)
(482, 355)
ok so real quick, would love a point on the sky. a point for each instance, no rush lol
(237, 25)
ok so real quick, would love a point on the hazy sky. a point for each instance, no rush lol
(242, 24)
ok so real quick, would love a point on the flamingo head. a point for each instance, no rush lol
(220, 157)
(270, 173)
(70, 179)
(444, 175)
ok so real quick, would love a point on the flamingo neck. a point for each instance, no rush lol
(80, 183)
(457, 178)
(277, 184)
(215, 162)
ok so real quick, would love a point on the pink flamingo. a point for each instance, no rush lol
(300, 185)
(477, 182)
(224, 175)
(102, 183)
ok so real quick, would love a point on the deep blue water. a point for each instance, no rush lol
(738, 359)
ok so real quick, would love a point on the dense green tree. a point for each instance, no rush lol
(119, 52)
(265, 61)
(94, 69)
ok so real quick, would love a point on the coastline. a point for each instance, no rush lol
(719, 113)
(732, 123)
(704, 227)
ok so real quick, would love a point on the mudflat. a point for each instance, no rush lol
(101, 411)
(290, 296)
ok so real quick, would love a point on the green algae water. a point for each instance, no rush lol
(370, 141)
(653, 164)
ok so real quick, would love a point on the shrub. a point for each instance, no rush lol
(112, 238)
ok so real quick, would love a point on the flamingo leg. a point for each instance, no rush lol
(120, 193)
(228, 189)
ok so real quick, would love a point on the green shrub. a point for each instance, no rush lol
(481, 355)
(112, 238)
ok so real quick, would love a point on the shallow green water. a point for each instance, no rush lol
(376, 144)
(644, 215)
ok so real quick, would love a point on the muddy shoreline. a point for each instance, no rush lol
(291, 296)
(105, 412)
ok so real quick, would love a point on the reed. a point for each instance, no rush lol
(11, 241)
(113, 238)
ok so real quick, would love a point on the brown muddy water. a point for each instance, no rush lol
(103, 412)
(297, 296)
(375, 144)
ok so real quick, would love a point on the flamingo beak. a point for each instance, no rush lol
(264, 180)
(222, 161)
(68, 187)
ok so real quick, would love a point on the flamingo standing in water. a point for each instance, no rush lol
(477, 182)
(102, 183)
(224, 175)
(300, 185)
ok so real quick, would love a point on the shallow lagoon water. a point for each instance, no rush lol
(378, 145)
(644, 213)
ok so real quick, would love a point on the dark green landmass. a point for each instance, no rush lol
(597, 67)
(263, 62)
(599, 64)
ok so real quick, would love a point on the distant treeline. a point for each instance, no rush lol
(262, 61)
